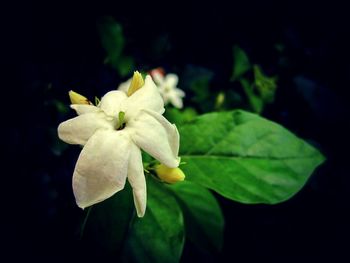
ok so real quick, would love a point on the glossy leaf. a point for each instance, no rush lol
(241, 63)
(112, 38)
(108, 223)
(159, 235)
(203, 216)
(245, 157)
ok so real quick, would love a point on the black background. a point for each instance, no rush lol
(56, 43)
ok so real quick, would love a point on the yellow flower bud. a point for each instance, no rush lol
(220, 99)
(136, 83)
(76, 98)
(169, 175)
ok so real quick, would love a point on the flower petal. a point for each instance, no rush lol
(137, 180)
(171, 80)
(179, 92)
(102, 166)
(171, 130)
(155, 135)
(125, 86)
(176, 101)
(113, 102)
(84, 108)
(158, 77)
(147, 97)
(79, 129)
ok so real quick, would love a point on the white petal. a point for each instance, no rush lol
(147, 97)
(102, 167)
(158, 77)
(171, 130)
(171, 80)
(137, 180)
(83, 108)
(125, 86)
(176, 101)
(179, 92)
(113, 102)
(155, 135)
(79, 129)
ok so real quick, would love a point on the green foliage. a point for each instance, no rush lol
(241, 63)
(113, 229)
(266, 86)
(237, 154)
(261, 89)
(125, 65)
(159, 235)
(180, 117)
(113, 41)
(204, 220)
(197, 80)
(256, 103)
(108, 223)
(246, 158)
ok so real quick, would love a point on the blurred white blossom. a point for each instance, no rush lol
(167, 85)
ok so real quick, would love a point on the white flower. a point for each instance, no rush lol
(124, 86)
(112, 134)
(167, 88)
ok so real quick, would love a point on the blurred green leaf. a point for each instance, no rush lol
(159, 235)
(108, 224)
(203, 216)
(197, 80)
(125, 66)
(179, 117)
(113, 41)
(200, 88)
(266, 86)
(112, 38)
(241, 63)
(255, 102)
(245, 157)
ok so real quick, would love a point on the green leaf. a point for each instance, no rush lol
(265, 85)
(112, 38)
(180, 116)
(245, 157)
(200, 87)
(255, 102)
(241, 63)
(159, 235)
(125, 65)
(197, 80)
(203, 216)
(108, 224)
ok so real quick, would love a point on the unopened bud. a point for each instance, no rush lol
(136, 83)
(220, 99)
(169, 175)
(76, 98)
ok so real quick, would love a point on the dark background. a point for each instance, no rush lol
(53, 47)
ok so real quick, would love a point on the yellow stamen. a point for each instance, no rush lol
(136, 83)
(76, 98)
(169, 175)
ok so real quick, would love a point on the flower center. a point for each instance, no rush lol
(121, 121)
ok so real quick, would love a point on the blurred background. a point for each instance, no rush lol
(53, 47)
